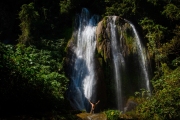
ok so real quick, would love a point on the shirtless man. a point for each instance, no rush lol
(93, 105)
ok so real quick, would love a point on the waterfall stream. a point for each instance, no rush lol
(142, 58)
(83, 75)
(118, 61)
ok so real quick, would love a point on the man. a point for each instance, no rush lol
(93, 105)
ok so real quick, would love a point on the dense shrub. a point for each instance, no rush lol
(112, 114)
(165, 101)
(32, 78)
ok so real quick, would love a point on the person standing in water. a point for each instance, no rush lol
(93, 105)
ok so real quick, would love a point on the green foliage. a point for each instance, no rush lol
(172, 47)
(71, 7)
(172, 11)
(142, 94)
(36, 72)
(176, 62)
(112, 114)
(41, 66)
(128, 35)
(165, 102)
(57, 47)
(100, 38)
(65, 6)
(153, 1)
(28, 15)
(154, 34)
(165, 69)
(105, 22)
(121, 8)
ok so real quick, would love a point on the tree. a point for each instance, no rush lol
(28, 17)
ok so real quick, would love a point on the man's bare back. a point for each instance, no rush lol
(93, 105)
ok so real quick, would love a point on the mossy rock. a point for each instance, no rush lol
(88, 116)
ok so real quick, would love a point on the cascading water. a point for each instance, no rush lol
(142, 59)
(83, 76)
(128, 68)
(125, 55)
(118, 61)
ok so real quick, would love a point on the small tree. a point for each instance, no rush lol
(28, 16)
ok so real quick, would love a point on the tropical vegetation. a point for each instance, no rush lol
(33, 39)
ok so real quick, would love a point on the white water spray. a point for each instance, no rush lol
(83, 75)
(118, 62)
(143, 59)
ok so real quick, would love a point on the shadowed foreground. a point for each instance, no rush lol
(88, 116)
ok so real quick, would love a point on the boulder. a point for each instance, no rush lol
(88, 116)
(130, 106)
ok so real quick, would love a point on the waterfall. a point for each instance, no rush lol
(127, 72)
(120, 44)
(83, 74)
(118, 61)
(142, 58)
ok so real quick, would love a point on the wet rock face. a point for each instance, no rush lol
(103, 36)
(130, 106)
(103, 41)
